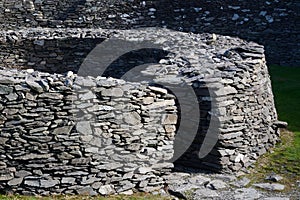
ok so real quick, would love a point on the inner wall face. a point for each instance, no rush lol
(227, 75)
(274, 24)
(47, 55)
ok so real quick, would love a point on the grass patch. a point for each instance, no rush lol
(281, 160)
(285, 157)
(286, 88)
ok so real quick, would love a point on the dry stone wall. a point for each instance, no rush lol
(273, 24)
(47, 147)
(44, 150)
(98, 135)
(47, 52)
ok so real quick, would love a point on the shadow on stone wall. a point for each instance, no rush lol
(53, 56)
(272, 24)
(190, 158)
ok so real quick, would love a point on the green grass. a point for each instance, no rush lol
(286, 88)
(285, 157)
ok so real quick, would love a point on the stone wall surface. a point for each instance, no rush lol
(112, 147)
(48, 147)
(274, 24)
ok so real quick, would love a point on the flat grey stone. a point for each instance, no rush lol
(158, 90)
(81, 161)
(205, 193)
(170, 119)
(159, 166)
(48, 183)
(126, 185)
(12, 96)
(246, 193)
(89, 180)
(148, 100)
(110, 166)
(68, 180)
(85, 81)
(5, 89)
(281, 124)
(92, 150)
(144, 170)
(97, 185)
(22, 173)
(2, 165)
(6, 177)
(86, 191)
(132, 118)
(106, 190)
(127, 192)
(37, 130)
(15, 181)
(35, 86)
(114, 92)
(32, 183)
(199, 180)
(55, 96)
(62, 130)
(270, 186)
(33, 156)
(217, 185)
(184, 187)
(8, 80)
(235, 17)
(226, 91)
(87, 96)
(160, 104)
(84, 127)
(241, 183)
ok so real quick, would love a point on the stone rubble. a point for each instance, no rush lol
(180, 187)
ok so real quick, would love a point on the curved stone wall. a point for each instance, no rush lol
(48, 147)
(271, 23)
(45, 150)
